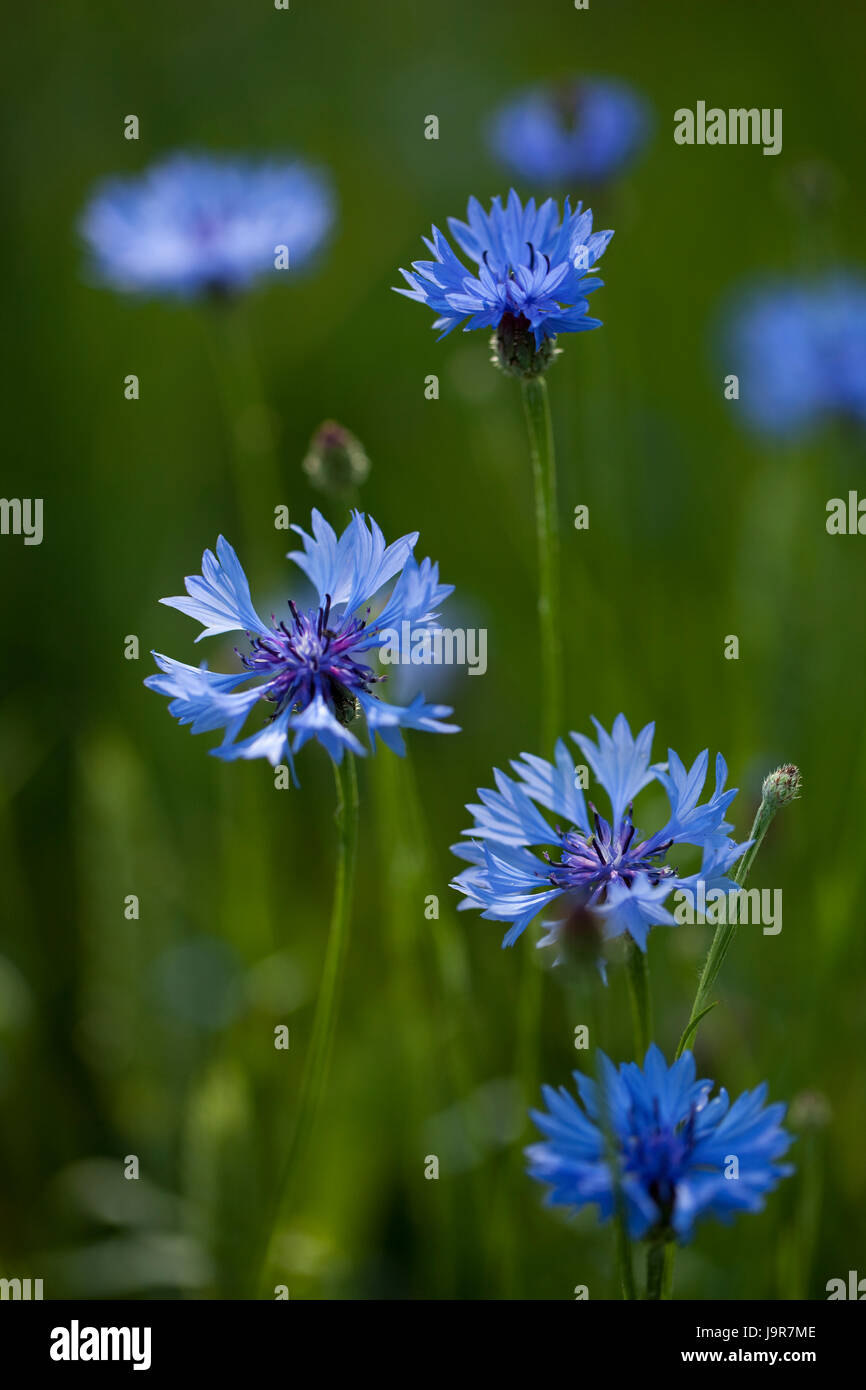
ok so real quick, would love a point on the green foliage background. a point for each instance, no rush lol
(155, 1037)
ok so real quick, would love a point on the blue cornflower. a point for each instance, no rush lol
(673, 1146)
(531, 276)
(799, 350)
(604, 868)
(312, 668)
(586, 129)
(198, 224)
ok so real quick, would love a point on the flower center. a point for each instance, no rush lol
(592, 864)
(309, 658)
(659, 1156)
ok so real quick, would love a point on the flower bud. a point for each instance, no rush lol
(336, 462)
(810, 1110)
(782, 786)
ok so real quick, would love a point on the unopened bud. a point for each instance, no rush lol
(336, 462)
(782, 786)
(810, 1110)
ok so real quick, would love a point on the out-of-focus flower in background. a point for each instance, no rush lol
(201, 224)
(585, 128)
(798, 348)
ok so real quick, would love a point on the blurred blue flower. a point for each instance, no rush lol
(198, 224)
(531, 269)
(311, 668)
(584, 129)
(673, 1145)
(799, 350)
(604, 867)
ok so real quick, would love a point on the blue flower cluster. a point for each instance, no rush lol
(520, 863)
(531, 265)
(676, 1153)
(311, 669)
(200, 226)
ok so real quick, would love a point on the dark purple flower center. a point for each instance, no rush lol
(310, 658)
(591, 864)
(660, 1157)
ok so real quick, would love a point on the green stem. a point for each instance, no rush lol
(248, 419)
(622, 1241)
(765, 814)
(536, 407)
(798, 1253)
(623, 1255)
(327, 1005)
(668, 1280)
(431, 1068)
(721, 944)
(639, 991)
(655, 1270)
(726, 931)
(330, 990)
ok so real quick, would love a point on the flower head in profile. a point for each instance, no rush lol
(522, 863)
(310, 670)
(672, 1144)
(587, 129)
(199, 225)
(799, 351)
(530, 280)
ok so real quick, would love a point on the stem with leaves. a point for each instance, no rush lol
(779, 788)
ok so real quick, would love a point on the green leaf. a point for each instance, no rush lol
(692, 1028)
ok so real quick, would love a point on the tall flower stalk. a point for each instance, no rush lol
(249, 421)
(648, 1146)
(330, 988)
(311, 671)
(779, 788)
(530, 285)
(536, 406)
(321, 1044)
(640, 996)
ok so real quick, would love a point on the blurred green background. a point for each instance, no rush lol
(154, 1037)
